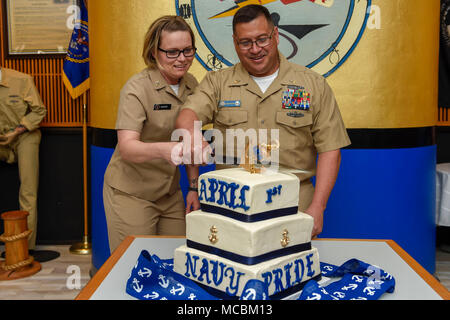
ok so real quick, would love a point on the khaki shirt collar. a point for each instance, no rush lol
(241, 77)
(160, 83)
(157, 79)
(187, 82)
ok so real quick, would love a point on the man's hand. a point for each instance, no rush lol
(11, 136)
(317, 214)
(192, 202)
(327, 171)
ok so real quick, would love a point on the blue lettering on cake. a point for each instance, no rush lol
(226, 193)
(234, 276)
(204, 271)
(269, 196)
(223, 193)
(278, 273)
(283, 278)
(287, 271)
(217, 271)
(267, 276)
(299, 274)
(273, 192)
(213, 186)
(192, 266)
(232, 289)
(309, 263)
(202, 191)
(232, 203)
(242, 198)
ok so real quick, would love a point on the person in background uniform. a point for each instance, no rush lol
(265, 91)
(141, 190)
(21, 112)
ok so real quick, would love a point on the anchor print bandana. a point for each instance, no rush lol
(360, 281)
(153, 278)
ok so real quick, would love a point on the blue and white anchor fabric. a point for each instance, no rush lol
(153, 278)
(360, 281)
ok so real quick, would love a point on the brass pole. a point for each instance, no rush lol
(85, 246)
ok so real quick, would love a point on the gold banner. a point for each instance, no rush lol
(389, 80)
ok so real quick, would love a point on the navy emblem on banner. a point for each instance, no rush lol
(76, 75)
(320, 35)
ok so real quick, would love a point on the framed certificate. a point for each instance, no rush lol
(34, 27)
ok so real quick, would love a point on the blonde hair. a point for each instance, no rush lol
(153, 37)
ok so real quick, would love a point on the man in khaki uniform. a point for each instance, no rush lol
(21, 112)
(265, 91)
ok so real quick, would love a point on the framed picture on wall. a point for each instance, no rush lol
(38, 27)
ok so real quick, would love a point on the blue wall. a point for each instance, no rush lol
(379, 194)
(386, 194)
(99, 161)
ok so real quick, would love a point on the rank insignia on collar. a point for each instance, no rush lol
(229, 103)
(296, 98)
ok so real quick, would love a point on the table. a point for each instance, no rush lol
(443, 194)
(412, 280)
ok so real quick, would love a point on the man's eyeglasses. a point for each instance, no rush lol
(172, 54)
(261, 42)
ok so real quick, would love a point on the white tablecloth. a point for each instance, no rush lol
(443, 194)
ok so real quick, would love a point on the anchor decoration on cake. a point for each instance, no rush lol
(253, 161)
(285, 240)
(213, 236)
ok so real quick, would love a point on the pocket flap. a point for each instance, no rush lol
(294, 122)
(232, 117)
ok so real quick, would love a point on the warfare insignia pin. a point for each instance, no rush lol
(295, 114)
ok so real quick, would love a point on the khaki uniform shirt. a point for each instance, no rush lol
(148, 105)
(231, 99)
(20, 102)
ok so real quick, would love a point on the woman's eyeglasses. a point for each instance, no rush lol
(172, 54)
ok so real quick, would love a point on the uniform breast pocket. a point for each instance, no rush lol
(231, 118)
(161, 122)
(14, 101)
(295, 131)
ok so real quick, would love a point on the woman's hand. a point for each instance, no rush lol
(132, 149)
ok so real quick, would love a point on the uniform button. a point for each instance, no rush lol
(262, 121)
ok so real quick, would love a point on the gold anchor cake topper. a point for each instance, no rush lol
(213, 236)
(285, 240)
(248, 158)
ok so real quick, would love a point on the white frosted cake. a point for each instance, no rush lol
(249, 227)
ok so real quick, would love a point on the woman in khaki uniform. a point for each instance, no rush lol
(141, 191)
